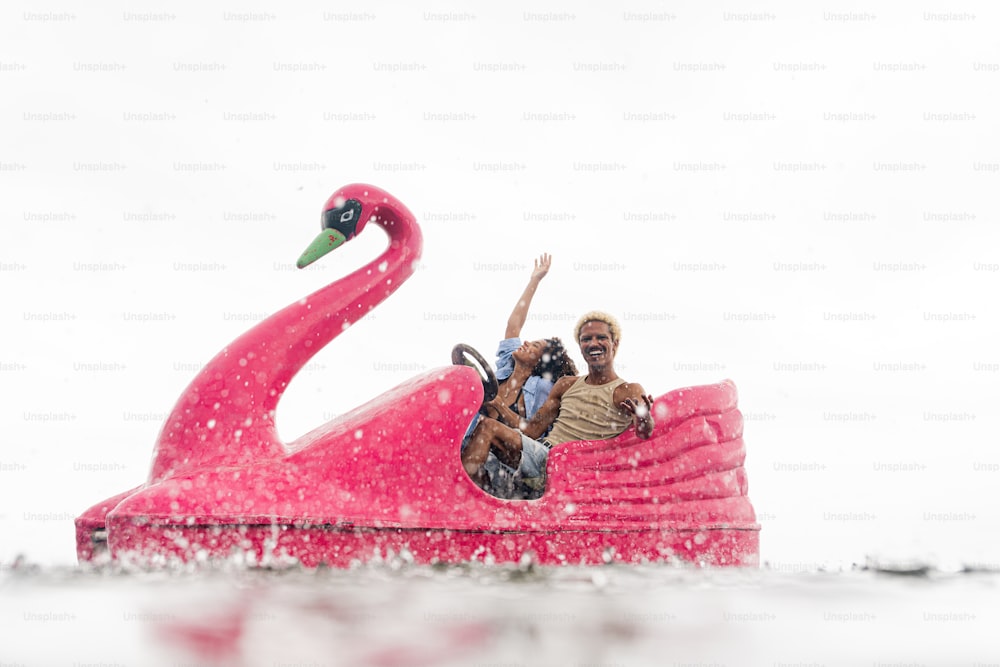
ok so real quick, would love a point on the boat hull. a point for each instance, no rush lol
(318, 546)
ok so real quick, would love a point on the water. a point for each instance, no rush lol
(394, 614)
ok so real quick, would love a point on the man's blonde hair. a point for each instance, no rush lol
(599, 316)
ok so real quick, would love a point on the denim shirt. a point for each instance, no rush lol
(536, 389)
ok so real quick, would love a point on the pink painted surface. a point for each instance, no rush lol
(387, 476)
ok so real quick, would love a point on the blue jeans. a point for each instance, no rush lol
(528, 480)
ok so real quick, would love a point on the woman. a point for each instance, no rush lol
(526, 372)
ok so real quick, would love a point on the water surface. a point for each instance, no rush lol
(394, 613)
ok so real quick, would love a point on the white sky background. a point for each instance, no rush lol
(801, 198)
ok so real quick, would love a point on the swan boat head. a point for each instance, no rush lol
(342, 220)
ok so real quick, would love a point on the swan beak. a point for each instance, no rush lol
(327, 240)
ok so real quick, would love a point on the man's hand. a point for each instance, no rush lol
(492, 408)
(503, 413)
(642, 417)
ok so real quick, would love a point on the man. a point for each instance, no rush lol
(597, 406)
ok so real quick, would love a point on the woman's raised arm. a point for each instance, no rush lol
(519, 315)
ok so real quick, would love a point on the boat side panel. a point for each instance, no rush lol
(343, 547)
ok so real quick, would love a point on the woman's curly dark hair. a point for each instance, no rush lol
(555, 362)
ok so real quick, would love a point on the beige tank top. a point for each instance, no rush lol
(588, 412)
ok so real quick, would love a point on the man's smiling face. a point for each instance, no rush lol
(596, 344)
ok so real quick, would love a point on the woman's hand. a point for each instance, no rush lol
(542, 265)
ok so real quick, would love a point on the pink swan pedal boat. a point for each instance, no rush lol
(386, 478)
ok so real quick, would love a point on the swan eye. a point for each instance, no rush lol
(344, 218)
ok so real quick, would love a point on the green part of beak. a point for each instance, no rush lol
(327, 240)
